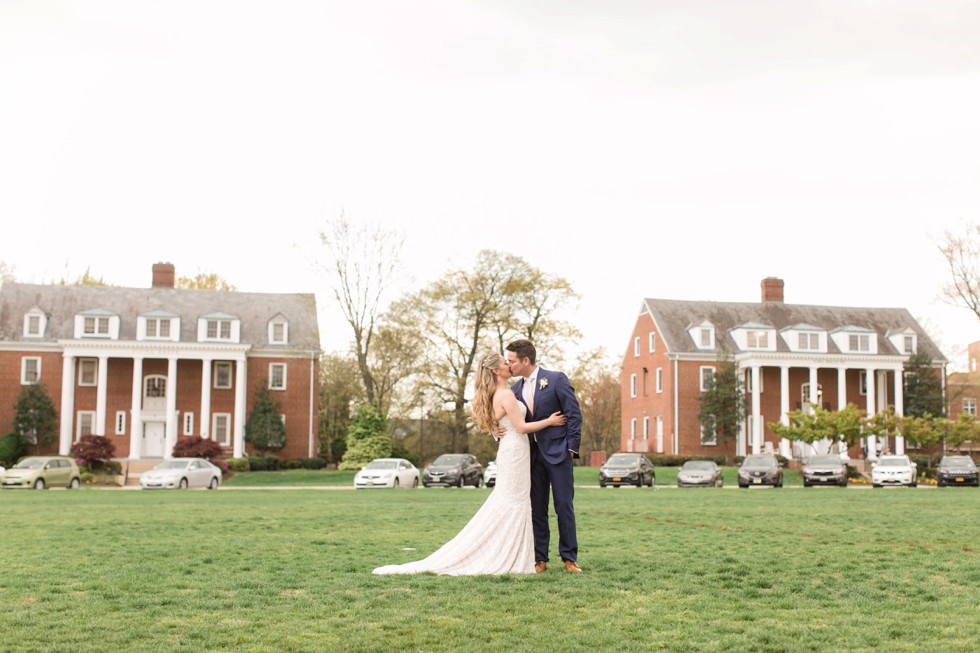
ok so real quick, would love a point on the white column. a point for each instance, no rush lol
(205, 418)
(814, 399)
(785, 447)
(841, 388)
(899, 408)
(756, 410)
(238, 438)
(66, 418)
(869, 378)
(136, 411)
(171, 437)
(100, 396)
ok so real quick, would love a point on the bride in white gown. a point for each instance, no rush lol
(498, 539)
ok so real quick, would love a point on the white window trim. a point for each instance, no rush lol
(659, 376)
(284, 370)
(188, 422)
(42, 323)
(23, 370)
(95, 372)
(862, 383)
(632, 385)
(970, 406)
(701, 375)
(80, 415)
(120, 422)
(646, 427)
(285, 331)
(215, 376)
(748, 380)
(214, 428)
(636, 347)
(652, 342)
(633, 428)
(234, 329)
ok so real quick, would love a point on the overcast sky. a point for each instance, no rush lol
(676, 149)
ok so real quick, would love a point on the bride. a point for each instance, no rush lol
(498, 539)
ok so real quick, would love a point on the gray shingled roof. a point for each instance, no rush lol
(62, 303)
(674, 317)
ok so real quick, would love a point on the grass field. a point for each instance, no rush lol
(822, 569)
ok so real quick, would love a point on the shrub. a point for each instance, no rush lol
(671, 460)
(237, 464)
(87, 477)
(11, 449)
(263, 463)
(303, 463)
(223, 464)
(114, 467)
(197, 447)
(94, 450)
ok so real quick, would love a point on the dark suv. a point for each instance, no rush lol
(760, 469)
(453, 470)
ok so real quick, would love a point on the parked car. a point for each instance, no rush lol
(825, 470)
(760, 469)
(490, 474)
(40, 472)
(453, 469)
(700, 473)
(387, 472)
(957, 470)
(181, 473)
(893, 469)
(627, 469)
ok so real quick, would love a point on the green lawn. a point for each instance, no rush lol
(825, 569)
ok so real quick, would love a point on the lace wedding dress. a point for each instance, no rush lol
(498, 539)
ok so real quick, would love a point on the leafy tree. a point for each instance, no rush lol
(819, 424)
(363, 266)
(340, 391)
(264, 428)
(93, 450)
(11, 449)
(921, 429)
(197, 447)
(923, 389)
(599, 394)
(35, 418)
(723, 404)
(85, 279)
(367, 438)
(204, 281)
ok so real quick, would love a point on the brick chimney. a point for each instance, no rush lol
(163, 275)
(772, 290)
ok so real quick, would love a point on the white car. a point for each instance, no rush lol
(893, 470)
(490, 474)
(387, 472)
(182, 473)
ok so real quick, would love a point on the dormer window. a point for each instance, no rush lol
(158, 325)
(754, 335)
(218, 327)
(703, 335)
(97, 324)
(278, 330)
(809, 341)
(804, 337)
(855, 340)
(757, 339)
(858, 342)
(904, 341)
(35, 322)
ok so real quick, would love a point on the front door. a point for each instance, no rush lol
(153, 437)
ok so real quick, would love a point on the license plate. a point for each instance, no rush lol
(757, 481)
(959, 480)
(617, 479)
(370, 483)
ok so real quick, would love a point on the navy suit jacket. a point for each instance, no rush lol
(557, 394)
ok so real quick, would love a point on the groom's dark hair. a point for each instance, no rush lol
(523, 349)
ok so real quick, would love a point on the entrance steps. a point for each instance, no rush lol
(132, 469)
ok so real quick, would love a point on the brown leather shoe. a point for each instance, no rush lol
(572, 567)
(540, 566)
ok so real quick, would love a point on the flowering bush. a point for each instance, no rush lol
(93, 450)
(197, 447)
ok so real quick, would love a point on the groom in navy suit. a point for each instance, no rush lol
(552, 451)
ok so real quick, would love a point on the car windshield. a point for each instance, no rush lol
(623, 460)
(957, 461)
(894, 462)
(698, 466)
(30, 463)
(448, 460)
(759, 461)
(172, 464)
(825, 460)
(382, 464)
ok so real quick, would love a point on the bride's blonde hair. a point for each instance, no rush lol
(484, 385)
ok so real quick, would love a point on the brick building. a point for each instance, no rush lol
(145, 366)
(790, 356)
(963, 389)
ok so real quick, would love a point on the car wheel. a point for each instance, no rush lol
(844, 484)
(214, 483)
(460, 482)
(39, 484)
(914, 484)
(876, 485)
(479, 482)
(183, 484)
(415, 482)
(75, 483)
(940, 484)
(805, 484)
(602, 484)
(396, 483)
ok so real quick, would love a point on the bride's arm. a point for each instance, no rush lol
(513, 411)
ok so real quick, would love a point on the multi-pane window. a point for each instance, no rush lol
(221, 428)
(632, 385)
(909, 345)
(757, 339)
(30, 370)
(970, 406)
(157, 327)
(95, 326)
(222, 375)
(120, 422)
(660, 379)
(277, 376)
(278, 332)
(88, 369)
(652, 342)
(86, 423)
(636, 346)
(33, 325)
(219, 329)
(188, 419)
(809, 341)
(707, 373)
(859, 342)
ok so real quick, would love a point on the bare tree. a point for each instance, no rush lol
(599, 392)
(962, 254)
(364, 260)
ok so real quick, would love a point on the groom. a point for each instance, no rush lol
(552, 450)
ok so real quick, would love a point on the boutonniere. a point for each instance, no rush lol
(542, 384)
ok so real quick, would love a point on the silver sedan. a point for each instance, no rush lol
(182, 473)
